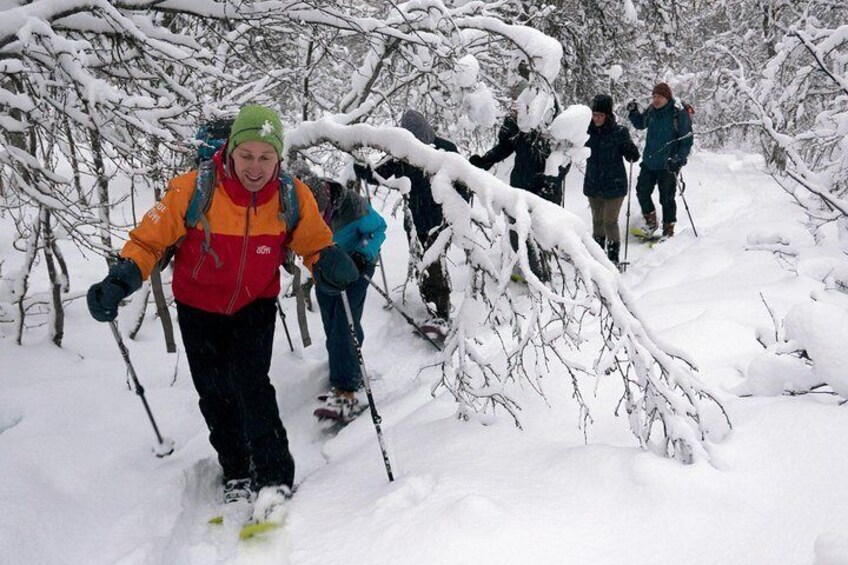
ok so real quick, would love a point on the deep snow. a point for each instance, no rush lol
(81, 486)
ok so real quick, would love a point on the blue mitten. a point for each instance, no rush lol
(103, 298)
(335, 270)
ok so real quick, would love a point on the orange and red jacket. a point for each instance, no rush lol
(248, 241)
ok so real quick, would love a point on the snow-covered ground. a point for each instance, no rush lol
(79, 484)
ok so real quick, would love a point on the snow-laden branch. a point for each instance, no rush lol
(668, 406)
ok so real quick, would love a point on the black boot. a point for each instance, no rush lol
(600, 240)
(612, 251)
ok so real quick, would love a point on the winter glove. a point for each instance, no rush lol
(363, 172)
(551, 189)
(632, 107)
(335, 270)
(673, 165)
(477, 161)
(103, 298)
(362, 264)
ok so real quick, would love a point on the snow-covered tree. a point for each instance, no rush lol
(128, 83)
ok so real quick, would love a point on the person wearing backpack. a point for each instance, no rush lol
(225, 283)
(359, 231)
(667, 146)
(427, 218)
(605, 183)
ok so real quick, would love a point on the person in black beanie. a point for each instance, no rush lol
(605, 183)
(427, 219)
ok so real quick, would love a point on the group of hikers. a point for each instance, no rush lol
(226, 277)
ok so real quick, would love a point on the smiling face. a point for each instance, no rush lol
(255, 164)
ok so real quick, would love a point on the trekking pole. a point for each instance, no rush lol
(623, 264)
(375, 417)
(285, 326)
(165, 446)
(406, 316)
(379, 253)
(686, 204)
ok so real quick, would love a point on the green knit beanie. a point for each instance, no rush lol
(257, 123)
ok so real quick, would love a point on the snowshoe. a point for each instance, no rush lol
(238, 500)
(339, 408)
(269, 511)
(435, 329)
(646, 236)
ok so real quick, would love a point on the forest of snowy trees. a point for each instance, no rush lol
(96, 95)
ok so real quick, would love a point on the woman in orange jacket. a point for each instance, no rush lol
(226, 281)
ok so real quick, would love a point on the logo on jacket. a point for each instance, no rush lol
(263, 250)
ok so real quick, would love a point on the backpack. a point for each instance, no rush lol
(211, 137)
(675, 119)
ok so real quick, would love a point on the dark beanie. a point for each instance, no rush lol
(663, 90)
(417, 124)
(602, 103)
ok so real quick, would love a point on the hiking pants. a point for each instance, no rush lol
(667, 183)
(605, 217)
(345, 372)
(434, 282)
(229, 358)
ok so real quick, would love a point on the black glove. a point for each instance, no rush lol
(477, 161)
(632, 107)
(103, 298)
(335, 270)
(673, 165)
(362, 264)
(363, 172)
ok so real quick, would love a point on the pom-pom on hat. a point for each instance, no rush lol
(663, 90)
(257, 123)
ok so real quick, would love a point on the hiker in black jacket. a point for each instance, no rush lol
(605, 183)
(532, 150)
(427, 217)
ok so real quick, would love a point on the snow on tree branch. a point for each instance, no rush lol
(494, 341)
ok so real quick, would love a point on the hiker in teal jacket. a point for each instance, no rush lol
(359, 231)
(667, 148)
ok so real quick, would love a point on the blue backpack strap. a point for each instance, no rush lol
(201, 201)
(289, 206)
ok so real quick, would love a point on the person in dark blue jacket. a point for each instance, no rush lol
(667, 147)
(427, 217)
(605, 183)
(359, 231)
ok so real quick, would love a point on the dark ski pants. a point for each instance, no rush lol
(551, 191)
(345, 373)
(605, 217)
(229, 358)
(667, 183)
(434, 282)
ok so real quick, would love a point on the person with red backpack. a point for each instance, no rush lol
(225, 283)
(667, 147)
